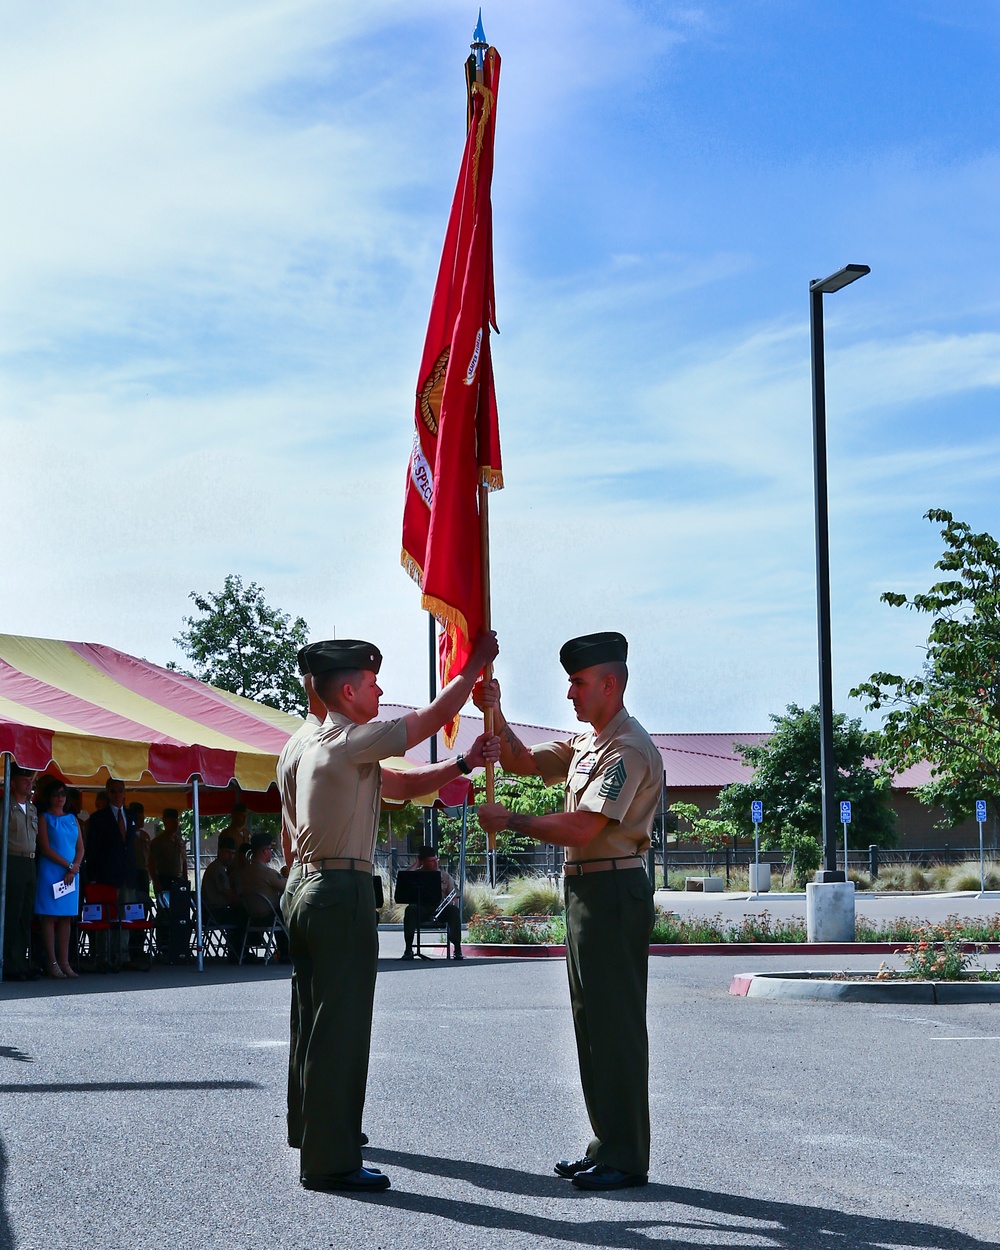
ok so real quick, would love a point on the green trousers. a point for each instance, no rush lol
(333, 942)
(294, 1057)
(609, 917)
(20, 907)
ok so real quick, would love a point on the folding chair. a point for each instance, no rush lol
(99, 914)
(265, 928)
(136, 919)
(218, 934)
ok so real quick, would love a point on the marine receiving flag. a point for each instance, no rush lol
(456, 440)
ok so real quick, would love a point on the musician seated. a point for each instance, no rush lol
(427, 861)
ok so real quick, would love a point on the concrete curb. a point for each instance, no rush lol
(817, 987)
(506, 950)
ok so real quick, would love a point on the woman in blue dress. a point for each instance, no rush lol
(60, 854)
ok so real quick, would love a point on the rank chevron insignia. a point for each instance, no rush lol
(613, 781)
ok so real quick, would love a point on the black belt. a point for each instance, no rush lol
(349, 865)
(577, 867)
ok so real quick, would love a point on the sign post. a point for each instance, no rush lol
(845, 820)
(757, 816)
(980, 821)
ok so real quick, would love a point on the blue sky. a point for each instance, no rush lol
(220, 234)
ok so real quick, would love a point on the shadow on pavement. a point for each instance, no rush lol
(743, 1222)
(387, 963)
(13, 1052)
(6, 1232)
(113, 1087)
(158, 978)
(184, 976)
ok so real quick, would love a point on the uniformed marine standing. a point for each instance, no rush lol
(613, 776)
(332, 930)
(22, 836)
(288, 762)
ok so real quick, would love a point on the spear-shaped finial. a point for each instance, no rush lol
(479, 44)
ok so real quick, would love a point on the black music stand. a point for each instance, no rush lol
(423, 889)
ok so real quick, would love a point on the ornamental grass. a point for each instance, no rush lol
(534, 896)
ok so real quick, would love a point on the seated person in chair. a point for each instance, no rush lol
(427, 861)
(221, 897)
(167, 855)
(259, 878)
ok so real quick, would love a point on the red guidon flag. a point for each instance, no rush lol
(456, 442)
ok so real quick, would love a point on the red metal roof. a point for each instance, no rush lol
(701, 759)
(708, 760)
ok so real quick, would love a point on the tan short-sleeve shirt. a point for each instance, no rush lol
(288, 762)
(617, 773)
(22, 828)
(338, 787)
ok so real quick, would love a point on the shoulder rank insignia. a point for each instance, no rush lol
(613, 781)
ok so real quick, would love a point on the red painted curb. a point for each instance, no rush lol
(510, 951)
(741, 984)
(503, 950)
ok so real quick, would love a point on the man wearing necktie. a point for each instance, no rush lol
(111, 854)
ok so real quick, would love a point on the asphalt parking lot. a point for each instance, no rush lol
(147, 1110)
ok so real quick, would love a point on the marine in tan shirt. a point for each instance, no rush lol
(22, 835)
(615, 773)
(259, 881)
(331, 925)
(339, 788)
(613, 776)
(288, 762)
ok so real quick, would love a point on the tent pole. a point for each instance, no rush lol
(197, 875)
(461, 860)
(432, 666)
(3, 857)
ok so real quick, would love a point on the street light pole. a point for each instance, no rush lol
(828, 765)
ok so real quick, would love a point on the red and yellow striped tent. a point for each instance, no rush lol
(89, 711)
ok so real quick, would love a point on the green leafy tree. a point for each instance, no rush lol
(241, 644)
(950, 714)
(404, 821)
(711, 833)
(787, 781)
(527, 795)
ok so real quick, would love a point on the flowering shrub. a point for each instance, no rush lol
(670, 928)
(922, 937)
(518, 930)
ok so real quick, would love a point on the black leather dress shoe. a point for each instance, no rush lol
(364, 1142)
(458, 956)
(407, 955)
(601, 1177)
(365, 1179)
(570, 1168)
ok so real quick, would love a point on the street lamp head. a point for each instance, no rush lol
(843, 277)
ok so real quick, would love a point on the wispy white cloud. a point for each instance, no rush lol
(221, 236)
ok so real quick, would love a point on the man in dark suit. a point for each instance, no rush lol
(111, 835)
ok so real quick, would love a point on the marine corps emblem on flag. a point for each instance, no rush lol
(429, 395)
